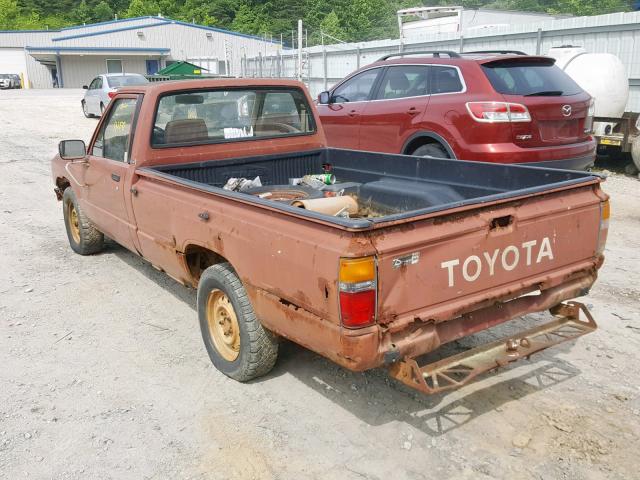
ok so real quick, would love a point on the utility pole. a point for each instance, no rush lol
(300, 50)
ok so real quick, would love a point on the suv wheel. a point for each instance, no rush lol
(431, 150)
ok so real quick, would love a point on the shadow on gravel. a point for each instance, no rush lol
(377, 399)
(179, 291)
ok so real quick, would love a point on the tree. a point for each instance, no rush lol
(330, 25)
(82, 13)
(369, 19)
(102, 12)
(142, 8)
(8, 14)
(250, 20)
(198, 11)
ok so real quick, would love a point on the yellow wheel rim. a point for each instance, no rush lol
(223, 325)
(74, 225)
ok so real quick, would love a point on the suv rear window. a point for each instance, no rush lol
(529, 79)
(212, 116)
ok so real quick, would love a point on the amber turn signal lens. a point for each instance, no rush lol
(606, 210)
(357, 270)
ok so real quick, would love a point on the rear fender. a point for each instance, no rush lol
(414, 140)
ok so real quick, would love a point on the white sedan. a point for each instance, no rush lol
(103, 88)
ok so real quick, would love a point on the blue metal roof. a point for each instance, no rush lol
(120, 20)
(160, 21)
(105, 32)
(97, 49)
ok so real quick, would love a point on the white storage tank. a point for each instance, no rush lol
(601, 74)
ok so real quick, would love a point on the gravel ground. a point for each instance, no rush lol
(104, 375)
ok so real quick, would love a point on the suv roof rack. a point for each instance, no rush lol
(435, 53)
(503, 52)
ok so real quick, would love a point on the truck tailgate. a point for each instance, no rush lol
(439, 268)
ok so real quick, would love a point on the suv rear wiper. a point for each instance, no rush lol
(546, 93)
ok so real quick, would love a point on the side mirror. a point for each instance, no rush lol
(324, 98)
(72, 149)
(85, 87)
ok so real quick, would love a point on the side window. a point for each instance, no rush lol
(113, 139)
(404, 81)
(98, 83)
(356, 89)
(445, 80)
(94, 83)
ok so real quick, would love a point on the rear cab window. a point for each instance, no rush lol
(227, 115)
(529, 78)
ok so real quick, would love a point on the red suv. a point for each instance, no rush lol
(504, 107)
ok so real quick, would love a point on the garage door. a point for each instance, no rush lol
(12, 60)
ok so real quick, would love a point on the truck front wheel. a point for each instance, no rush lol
(237, 343)
(84, 237)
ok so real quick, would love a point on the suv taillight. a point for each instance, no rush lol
(498, 112)
(358, 291)
(588, 121)
(112, 93)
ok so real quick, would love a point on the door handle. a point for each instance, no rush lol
(413, 111)
(353, 113)
(115, 177)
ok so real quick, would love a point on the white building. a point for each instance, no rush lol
(72, 56)
(419, 21)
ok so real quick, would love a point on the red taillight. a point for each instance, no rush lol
(498, 112)
(588, 121)
(112, 94)
(358, 286)
(358, 309)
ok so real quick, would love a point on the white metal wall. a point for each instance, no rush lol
(183, 40)
(616, 33)
(79, 71)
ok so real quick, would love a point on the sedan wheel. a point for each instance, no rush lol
(85, 110)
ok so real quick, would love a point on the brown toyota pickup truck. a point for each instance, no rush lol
(369, 259)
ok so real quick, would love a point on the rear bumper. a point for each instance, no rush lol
(577, 163)
(378, 345)
(571, 157)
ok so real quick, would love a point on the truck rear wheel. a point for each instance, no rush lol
(237, 343)
(84, 237)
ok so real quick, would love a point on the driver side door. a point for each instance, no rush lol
(342, 117)
(108, 170)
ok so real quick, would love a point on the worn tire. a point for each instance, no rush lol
(258, 348)
(84, 237)
(431, 150)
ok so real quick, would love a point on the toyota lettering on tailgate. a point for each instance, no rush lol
(508, 259)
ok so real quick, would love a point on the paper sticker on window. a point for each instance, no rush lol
(231, 132)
